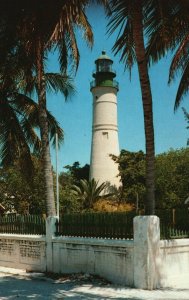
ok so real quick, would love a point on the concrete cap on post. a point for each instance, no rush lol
(146, 252)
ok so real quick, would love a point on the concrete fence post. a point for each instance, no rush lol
(146, 252)
(50, 232)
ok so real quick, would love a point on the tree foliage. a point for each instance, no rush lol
(23, 196)
(132, 172)
(77, 173)
(20, 195)
(69, 202)
(37, 28)
(130, 19)
(171, 34)
(19, 122)
(89, 192)
(172, 173)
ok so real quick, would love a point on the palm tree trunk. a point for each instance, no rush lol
(147, 107)
(47, 167)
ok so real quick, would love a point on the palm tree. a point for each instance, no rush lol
(39, 28)
(18, 121)
(129, 17)
(89, 192)
(171, 33)
(19, 116)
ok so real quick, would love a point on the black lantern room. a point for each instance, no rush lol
(104, 74)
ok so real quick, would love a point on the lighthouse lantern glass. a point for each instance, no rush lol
(104, 65)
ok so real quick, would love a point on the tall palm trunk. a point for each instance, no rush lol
(47, 168)
(147, 107)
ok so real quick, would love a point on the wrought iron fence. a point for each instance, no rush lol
(26, 224)
(99, 225)
(174, 223)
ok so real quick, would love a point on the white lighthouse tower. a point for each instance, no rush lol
(104, 131)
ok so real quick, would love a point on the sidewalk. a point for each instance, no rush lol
(16, 284)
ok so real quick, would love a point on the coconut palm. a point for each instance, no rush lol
(171, 33)
(40, 27)
(19, 114)
(18, 121)
(129, 18)
(36, 29)
(89, 192)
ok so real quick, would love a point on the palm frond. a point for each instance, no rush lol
(12, 140)
(89, 191)
(54, 128)
(63, 55)
(30, 110)
(121, 22)
(186, 116)
(165, 28)
(24, 104)
(85, 26)
(183, 87)
(180, 59)
(31, 136)
(72, 16)
(56, 82)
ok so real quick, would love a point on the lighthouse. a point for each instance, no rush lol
(104, 129)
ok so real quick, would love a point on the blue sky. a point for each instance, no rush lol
(75, 116)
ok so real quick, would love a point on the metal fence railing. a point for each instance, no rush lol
(26, 224)
(174, 224)
(99, 225)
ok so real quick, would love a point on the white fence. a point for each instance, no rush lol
(23, 252)
(145, 262)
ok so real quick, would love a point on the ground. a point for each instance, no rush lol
(17, 284)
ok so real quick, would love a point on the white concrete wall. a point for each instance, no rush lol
(23, 252)
(111, 259)
(145, 262)
(174, 263)
(105, 136)
(160, 263)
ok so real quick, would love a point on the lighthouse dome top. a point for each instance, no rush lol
(103, 56)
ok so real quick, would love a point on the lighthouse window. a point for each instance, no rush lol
(105, 135)
(104, 66)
